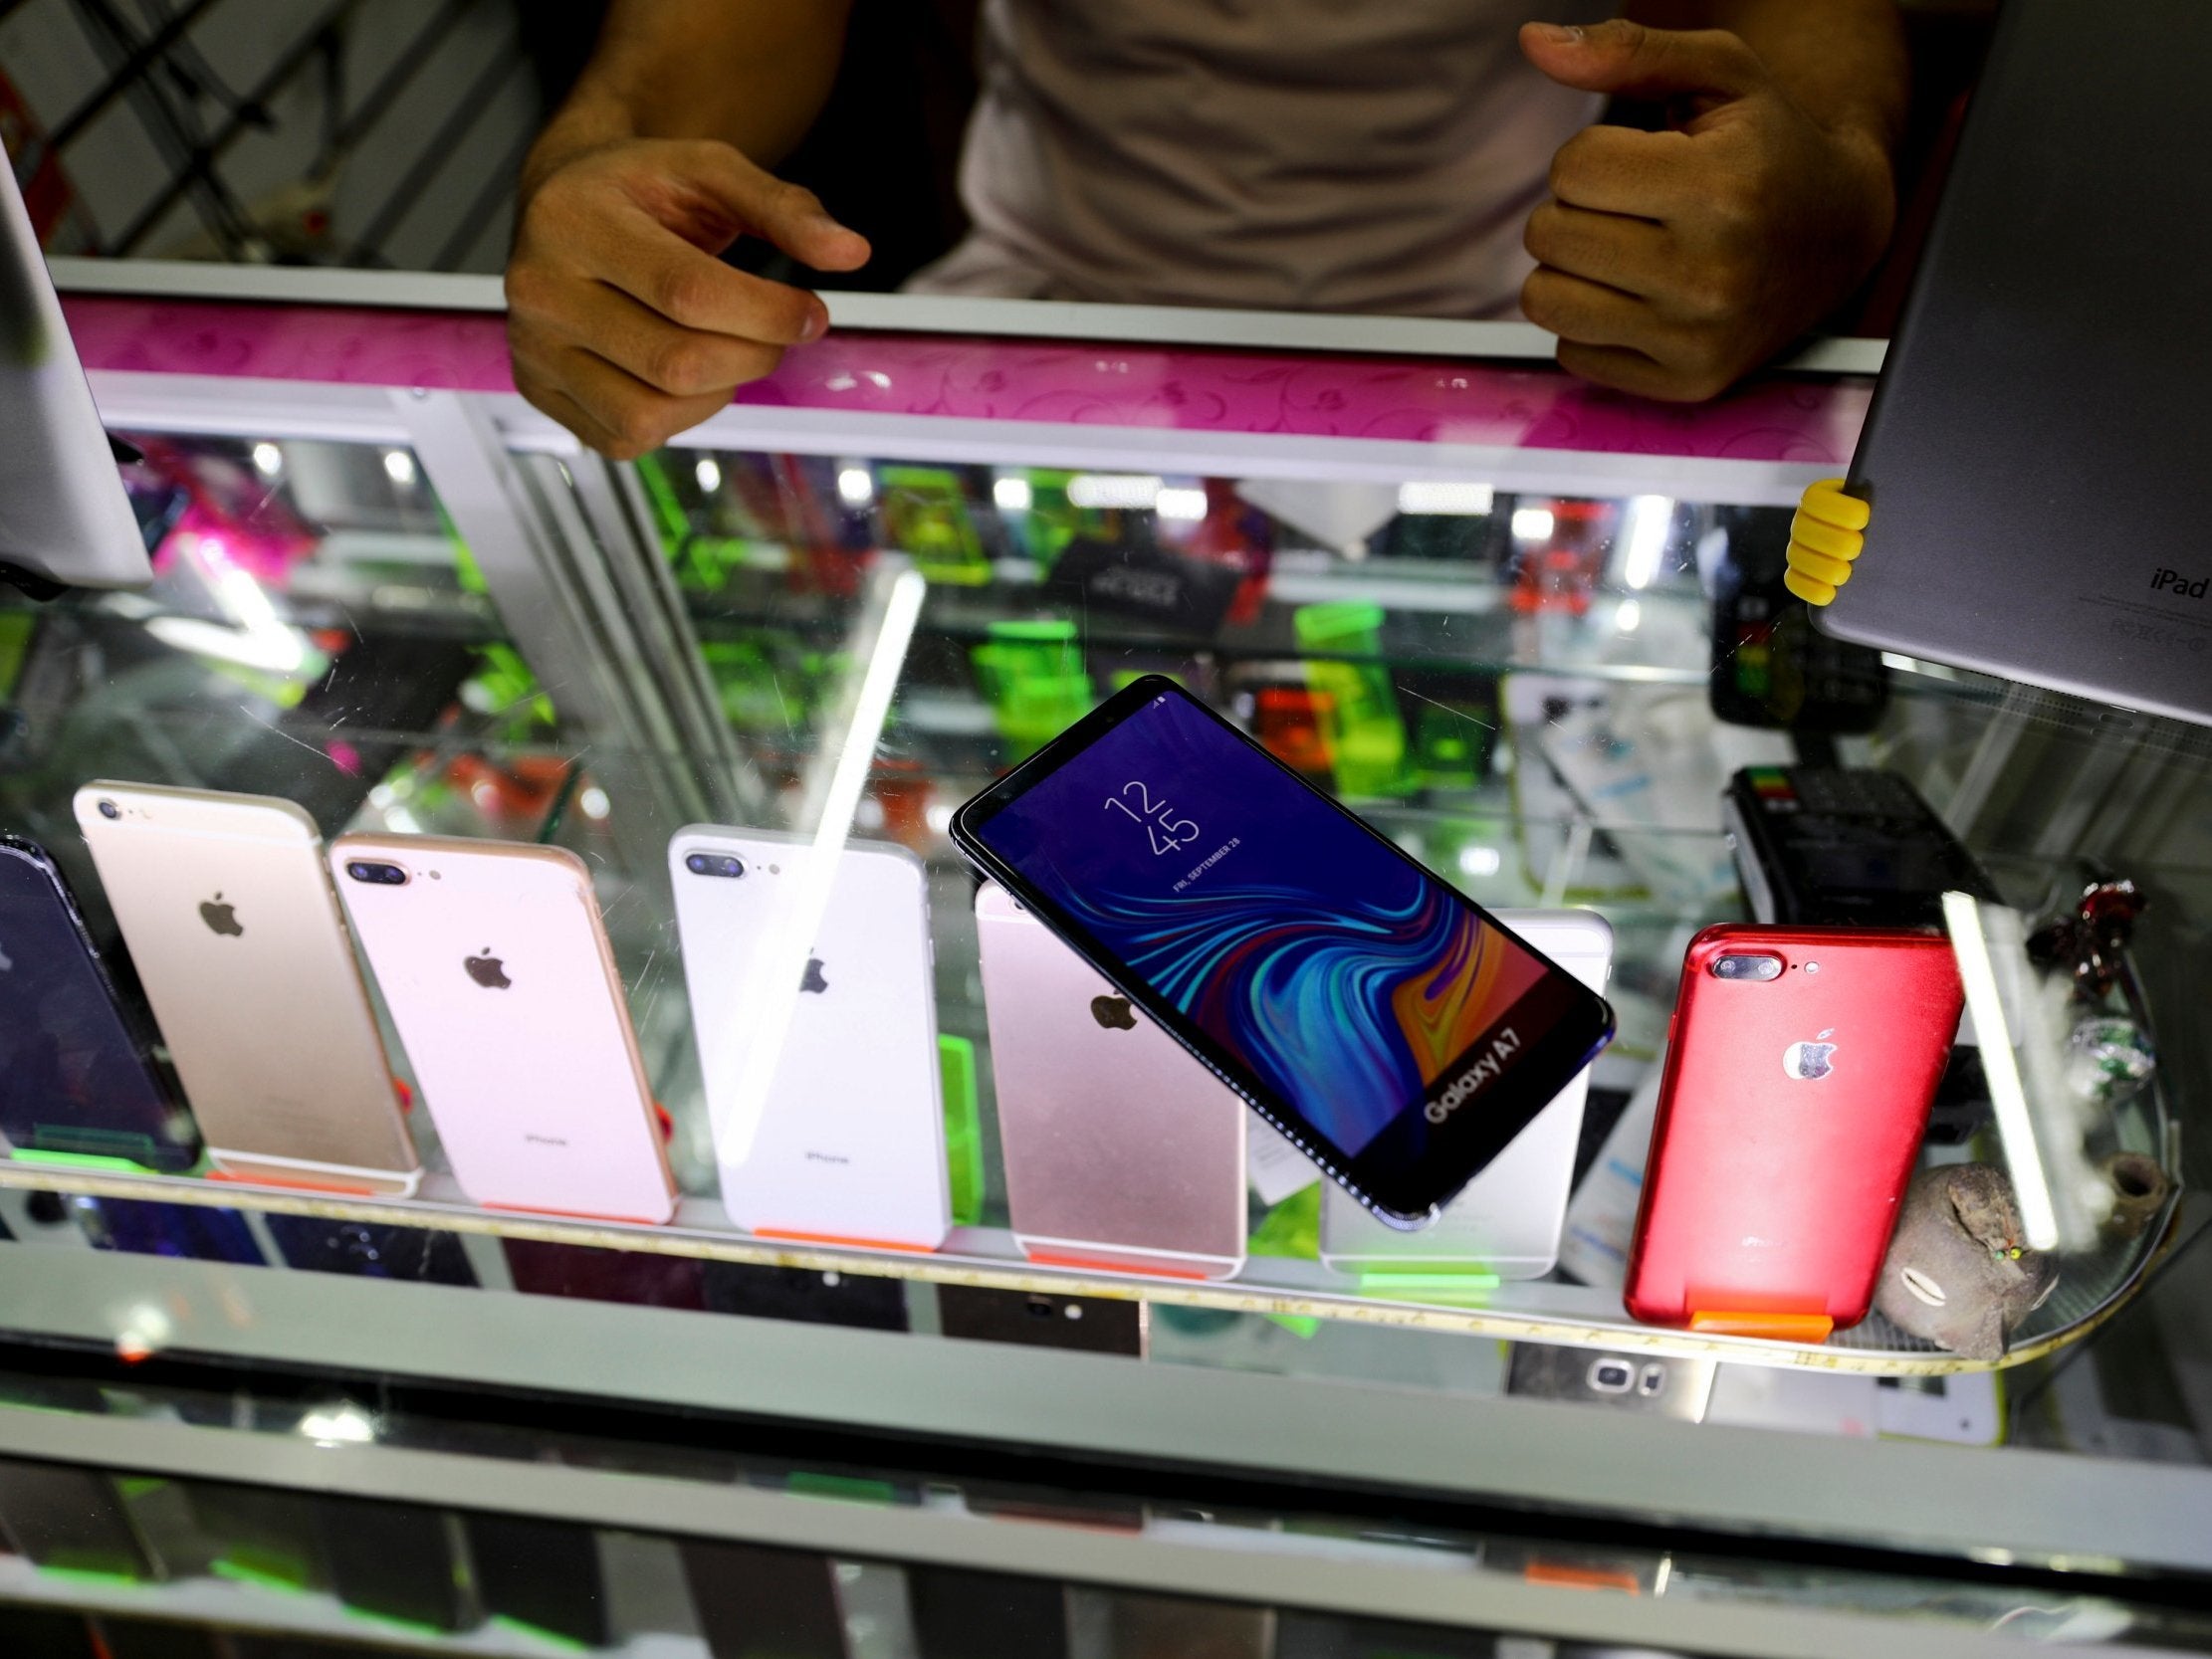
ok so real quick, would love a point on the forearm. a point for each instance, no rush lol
(1843, 60)
(751, 73)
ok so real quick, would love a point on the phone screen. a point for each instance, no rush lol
(70, 1078)
(1336, 977)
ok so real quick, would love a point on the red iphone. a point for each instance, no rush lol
(1798, 1074)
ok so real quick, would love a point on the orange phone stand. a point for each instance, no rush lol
(1782, 1327)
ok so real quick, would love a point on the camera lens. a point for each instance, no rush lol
(1611, 1376)
(359, 872)
(1747, 968)
(697, 864)
(110, 810)
(731, 867)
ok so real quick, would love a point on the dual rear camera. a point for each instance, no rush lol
(377, 875)
(1747, 968)
(715, 864)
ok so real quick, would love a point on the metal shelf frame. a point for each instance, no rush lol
(986, 1258)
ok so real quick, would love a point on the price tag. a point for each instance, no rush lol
(1274, 1166)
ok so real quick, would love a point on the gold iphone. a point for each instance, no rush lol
(230, 919)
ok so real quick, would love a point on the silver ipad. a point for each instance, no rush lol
(2037, 429)
(63, 517)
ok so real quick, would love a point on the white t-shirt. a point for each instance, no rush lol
(1344, 156)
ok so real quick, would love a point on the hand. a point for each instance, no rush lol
(1670, 264)
(624, 325)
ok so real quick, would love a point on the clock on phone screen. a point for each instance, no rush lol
(1167, 832)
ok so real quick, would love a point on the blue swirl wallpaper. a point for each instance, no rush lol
(1344, 977)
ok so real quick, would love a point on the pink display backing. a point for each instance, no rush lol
(1322, 395)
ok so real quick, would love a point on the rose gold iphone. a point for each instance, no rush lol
(497, 972)
(240, 946)
(1122, 1150)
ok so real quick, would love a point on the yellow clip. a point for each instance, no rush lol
(1825, 536)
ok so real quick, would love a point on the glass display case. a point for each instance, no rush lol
(1528, 631)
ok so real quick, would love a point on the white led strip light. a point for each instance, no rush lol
(2031, 1183)
(776, 987)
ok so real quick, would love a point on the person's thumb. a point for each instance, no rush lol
(1629, 59)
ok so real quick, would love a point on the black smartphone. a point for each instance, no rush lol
(756, 1601)
(74, 1080)
(541, 1574)
(393, 1561)
(1135, 1626)
(73, 1520)
(963, 1614)
(149, 1227)
(1087, 1323)
(538, 1266)
(1844, 845)
(859, 1300)
(369, 1250)
(1393, 1031)
(257, 1535)
(1770, 666)
(1302, 1635)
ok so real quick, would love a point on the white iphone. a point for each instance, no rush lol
(816, 1016)
(1507, 1220)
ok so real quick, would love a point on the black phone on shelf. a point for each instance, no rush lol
(864, 1302)
(1770, 666)
(538, 1573)
(962, 1614)
(72, 1520)
(369, 1250)
(394, 1561)
(756, 1601)
(1844, 845)
(74, 1080)
(1035, 1319)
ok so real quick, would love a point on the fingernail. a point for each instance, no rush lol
(815, 326)
(1559, 34)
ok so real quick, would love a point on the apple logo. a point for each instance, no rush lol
(221, 918)
(487, 970)
(812, 979)
(1112, 1013)
(1808, 1062)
